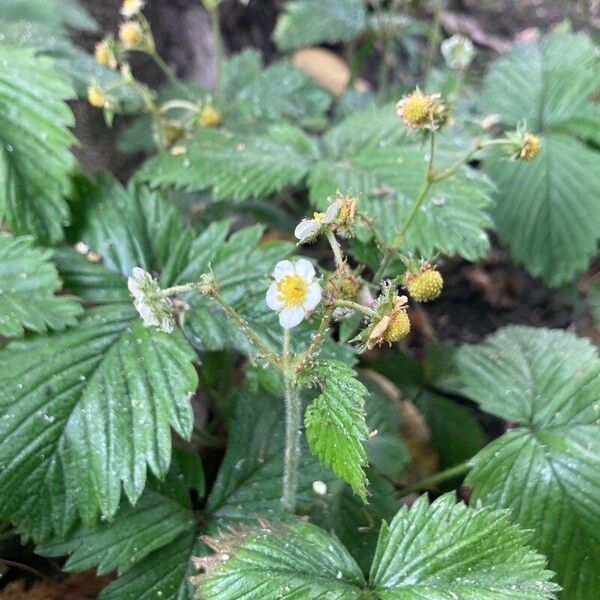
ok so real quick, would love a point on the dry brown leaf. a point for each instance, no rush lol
(327, 69)
(498, 287)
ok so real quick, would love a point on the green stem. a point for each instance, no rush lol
(246, 329)
(168, 72)
(430, 179)
(429, 482)
(336, 248)
(218, 40)
(293, 414)
(306, 357)
(356, 306)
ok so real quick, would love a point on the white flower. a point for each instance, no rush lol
(151, 306)
(457, 51)
(131, 8)
(308, 229)
(294, 293)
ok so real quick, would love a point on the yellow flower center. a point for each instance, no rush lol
(131, 7)
(130, 34)
(416, 109)
(292, 290)
(96, 97)
(319, 217)
(209, 117)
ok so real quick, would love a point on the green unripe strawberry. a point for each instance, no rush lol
(398, 327)
(425, 286)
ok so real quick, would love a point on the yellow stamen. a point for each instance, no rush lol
(292, 290)
(319, 217)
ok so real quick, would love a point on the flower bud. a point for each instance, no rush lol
(457, 51)
(131, 35)
(105, 55)
(97, 97)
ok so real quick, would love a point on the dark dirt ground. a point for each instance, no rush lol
(477, 299)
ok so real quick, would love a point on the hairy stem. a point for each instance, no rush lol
(429, 482)
(246, 329)
(356, 306)
(336, 248)
(168, 72)
(293, 414)
(434, 35)
(317, 341)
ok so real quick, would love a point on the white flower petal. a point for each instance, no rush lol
(306, 229)
(134, 288)
(166, 324)
(272, 301)
(305, 269)
(283, 268)
(313, 296)
(147, 314)
(331, 212)
(290, 317)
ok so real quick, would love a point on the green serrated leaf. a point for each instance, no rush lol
(35, 161)
(162, 574)
(439, 551)
(447, 550)
(84, 413)
(548, 210)
(54, 14)
(28, 282)
(309, 22)
(546, 469)
(288, 560)
(544, 83)
(335, 422)
(236, 166)
(135, 532)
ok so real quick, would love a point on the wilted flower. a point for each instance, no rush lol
(458, 51)
(308, 229)
(154, 309)
(131, 34)
(209, 116)
(294, 292)
(421, 111)
(529, 148)
(131, 8)
(97, 97)
(105, 55)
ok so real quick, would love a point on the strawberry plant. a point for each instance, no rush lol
(214, 376)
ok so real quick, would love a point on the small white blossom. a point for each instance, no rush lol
(457, 51)
(294, 293)
(131, 8)
(308, 229)
(154, 310)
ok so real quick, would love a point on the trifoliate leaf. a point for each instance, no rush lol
(249, 482)
(35, 161)
(84, 413)
(309, 22)
(335, 422)
(546, 469)
(135, 532)
(548, 210)
(447, 550)
(237, 166)
(54, 14)
(287, 560)
(28, 282)
(439, 551)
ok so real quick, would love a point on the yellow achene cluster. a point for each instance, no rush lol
(424, 286)
(531, 146)
(209, 117)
